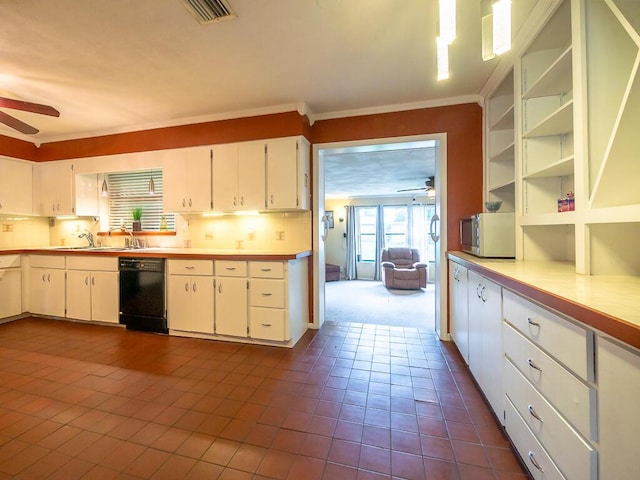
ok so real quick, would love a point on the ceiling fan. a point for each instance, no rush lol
(19, 125)
(428, 185)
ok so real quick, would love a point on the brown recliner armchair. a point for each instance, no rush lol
(402, 269)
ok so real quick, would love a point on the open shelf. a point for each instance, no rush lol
(564, 218)
(614, 248)
(549, 243)
(505, 154)
(541, 194)
(556, 80)
(560, 168)
(505, 121)
(558, 122)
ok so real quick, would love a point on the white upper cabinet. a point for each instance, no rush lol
(288, 173)
(187, 180)
(55, 188)
(16, 187)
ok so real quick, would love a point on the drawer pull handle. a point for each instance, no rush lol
(534, 414)
(266, 294)
(190, 267)
(265, 269)
(533, 365)
(265, 324)
(534, 461)
(231, 268)
(532, 323)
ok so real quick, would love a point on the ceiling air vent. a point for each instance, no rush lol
(209, 11)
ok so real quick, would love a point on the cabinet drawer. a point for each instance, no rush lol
(190, 267)
(575, 457)
(567, 342)
(266, 293)
(47, 261)
(529, 448)
(226, 268)
(266, 269)
(267, 324)
(9, 261)
(80, 262)
(575, 400)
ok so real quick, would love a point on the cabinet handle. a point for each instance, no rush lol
(184, 203)
(533, 413)
(272, 199)
(186, 287)
(482, 295)
(93, 281)
(86, 280)
(266, 294)
(306, 179)
(532, 323)
(220, 288)
(265, 324)
(534, 461)
(478, 290)
(194, 287)
(533, 365)
(242, 201)
(49, 278)
(44, 278)
(235, 201)
(190, 202)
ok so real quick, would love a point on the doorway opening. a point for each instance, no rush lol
(399, 181)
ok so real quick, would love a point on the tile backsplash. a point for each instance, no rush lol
(273, 231)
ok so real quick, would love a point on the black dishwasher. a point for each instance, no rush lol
(142, 294)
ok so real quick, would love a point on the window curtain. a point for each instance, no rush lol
(417, 230)
(351, 270)
(379, 242)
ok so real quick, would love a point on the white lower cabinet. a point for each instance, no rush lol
(618, 419)
(485, 338)
(10, 285)
(93, 288)
(459, 308)
(231, 298)
(47, 285)
(190, 302)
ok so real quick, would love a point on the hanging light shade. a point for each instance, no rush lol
(105, 188)
(502, 26)
(442, 50)
(447, 20)
(152, 186)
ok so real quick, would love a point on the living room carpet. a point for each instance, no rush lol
(369, 302)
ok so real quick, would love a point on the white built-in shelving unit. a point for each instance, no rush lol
(565, 119)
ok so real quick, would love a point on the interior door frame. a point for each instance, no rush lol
(441, 277)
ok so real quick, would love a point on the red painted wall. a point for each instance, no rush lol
(461, 123)
(463, 126)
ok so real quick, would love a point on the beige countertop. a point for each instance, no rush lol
(609, 303)
(200, 253)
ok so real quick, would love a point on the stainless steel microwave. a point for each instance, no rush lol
(489, 235)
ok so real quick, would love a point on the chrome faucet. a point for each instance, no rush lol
(89, 236)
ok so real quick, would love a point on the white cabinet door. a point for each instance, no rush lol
(47, 291)
(179, 302)
(231, 306)
(105, 294)
(187, 180)
(619, 423)
(485, 338)
(10, 293)
(16, 187)
(202, 304)
(459, 308)
(225, 177)
(251, 176)
(56, 188)
(79, 294)
(282, 173)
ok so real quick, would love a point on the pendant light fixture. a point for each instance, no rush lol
(496, 27)
(152, 185)
(447, 11)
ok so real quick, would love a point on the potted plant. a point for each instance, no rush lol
(137, 215)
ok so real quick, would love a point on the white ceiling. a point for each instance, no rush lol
(124, 65)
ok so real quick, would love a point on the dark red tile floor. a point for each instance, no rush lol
(350, 401)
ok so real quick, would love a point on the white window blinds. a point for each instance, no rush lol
(129, 190)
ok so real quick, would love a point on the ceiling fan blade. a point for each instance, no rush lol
(16, 124)
(29, 107)
(410, 189)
